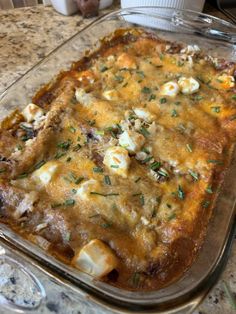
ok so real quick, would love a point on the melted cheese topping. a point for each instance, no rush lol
(126, 160)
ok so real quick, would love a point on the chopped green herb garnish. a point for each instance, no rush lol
(144, 131)
(135, 280)
(177, 103)
(172, 216)
(99, 132)
(64, 145)
(67, 179)
(97, 169)
(158, 199)
(163, 100)
(68, 159)
(111, 130)
(77, 147)
(59, 155)
(119, 78)
(119, 127)
(198, 97)
(174, 113)
(215, 161)
(72, 129)
(215, 109)
(97, 193)
(39, 164)
(79, 179)
(193, 174)
(55, 205)
(25, 138)
(26, 128)
(114, 166)
(162, 173)
(137, 180)
(181, 128)
(142, 201)
(209, 190)
(152, 97)
(74, 191)
(189, 148)
(141, 73)
(146, 90)
(112, 194)
(19, 147)
(200, 78)
(73, 178)
(155, 165)
(91, 122)
(107, 180)
(73, 100)
(94, 216)
(180, 63)
(234, 97)
(78, 138)
(105, 195)
(103, 68)
(3, 170)
(229, 295)
(205, 204)
(168, 205)
(232, 117)
(106, 225)
(67, 236)
(22, 176)
(161, 56)
(154, 213)
(147, 159)
(136, 194)
(145, 150)
(181, 194)
(69, 202)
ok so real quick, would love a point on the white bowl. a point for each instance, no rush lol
(195, 5)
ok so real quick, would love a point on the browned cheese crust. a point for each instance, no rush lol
(58, 190)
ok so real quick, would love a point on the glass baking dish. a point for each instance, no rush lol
(216, 38)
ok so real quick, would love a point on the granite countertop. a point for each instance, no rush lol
(26, 36)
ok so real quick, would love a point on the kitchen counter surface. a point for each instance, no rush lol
(26, 36)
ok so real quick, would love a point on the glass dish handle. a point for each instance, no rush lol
(212, 28)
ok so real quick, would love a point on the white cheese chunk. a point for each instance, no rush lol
(117, 160)
(144, 114)
(96, 259)
(83, 98)
(45, 174)
(131, 140)
(169, 89)
(188, 85)
(226, 81)
(86, 187)
(32, 112)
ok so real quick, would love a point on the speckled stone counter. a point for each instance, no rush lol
(26, 37)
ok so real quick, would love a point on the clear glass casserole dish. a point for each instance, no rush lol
(216, 38)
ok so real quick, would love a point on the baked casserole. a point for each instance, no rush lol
(115, 165)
